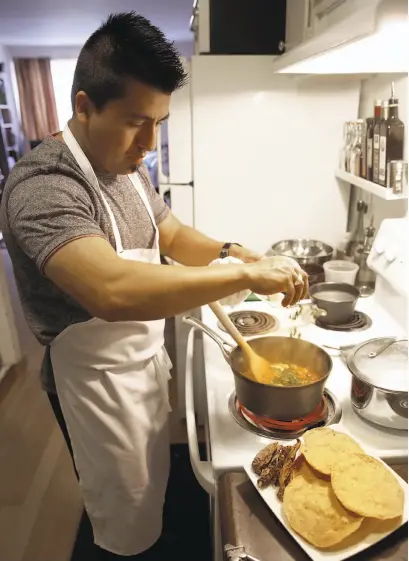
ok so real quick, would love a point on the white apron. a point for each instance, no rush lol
(112, 383)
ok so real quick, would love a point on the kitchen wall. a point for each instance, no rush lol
(379, 87)
(260, 187)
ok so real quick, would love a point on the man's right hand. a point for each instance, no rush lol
(278, 274)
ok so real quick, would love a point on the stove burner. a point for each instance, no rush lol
(312, 419)
(328, 412)
(359, 322)
(252, 323)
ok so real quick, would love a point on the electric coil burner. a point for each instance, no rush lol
(328, 412)
(251, 323)
(358, 322)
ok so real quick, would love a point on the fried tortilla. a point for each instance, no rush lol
(314, 512)
(323, 447)
(365, 486)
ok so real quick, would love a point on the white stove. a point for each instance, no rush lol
(229, 444)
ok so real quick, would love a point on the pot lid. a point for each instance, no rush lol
(383, 363)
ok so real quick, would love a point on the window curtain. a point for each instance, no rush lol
(37, 100)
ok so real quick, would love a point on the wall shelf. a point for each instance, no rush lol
(377, 190)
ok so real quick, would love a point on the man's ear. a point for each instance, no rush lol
(83, 107)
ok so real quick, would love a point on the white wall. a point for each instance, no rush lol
(265, 150)
(379, 87)
(62, 71)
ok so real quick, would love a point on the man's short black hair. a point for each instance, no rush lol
(127, 45)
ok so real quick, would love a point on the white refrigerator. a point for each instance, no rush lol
(174, 153)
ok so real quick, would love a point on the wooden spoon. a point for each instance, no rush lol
(259, 367)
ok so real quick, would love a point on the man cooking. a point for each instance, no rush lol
(85, 230)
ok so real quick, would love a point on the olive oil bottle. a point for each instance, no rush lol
(391, 135)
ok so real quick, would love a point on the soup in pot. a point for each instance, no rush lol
(335, 296)
(287, 374)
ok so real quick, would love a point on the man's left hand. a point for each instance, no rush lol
(245, 255)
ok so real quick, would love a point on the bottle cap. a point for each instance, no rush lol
(393, 100)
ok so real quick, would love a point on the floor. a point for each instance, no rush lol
(40, 505)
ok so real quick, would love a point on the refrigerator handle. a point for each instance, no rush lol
(161, 176)
(202, 470)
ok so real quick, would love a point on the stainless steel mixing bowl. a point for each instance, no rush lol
(305, 252)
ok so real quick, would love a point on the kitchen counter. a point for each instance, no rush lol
(246, 520)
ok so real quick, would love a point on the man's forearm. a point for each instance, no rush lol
(148, 292)
(190, 247)
(116, 289)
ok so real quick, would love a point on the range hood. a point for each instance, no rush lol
(373, 38)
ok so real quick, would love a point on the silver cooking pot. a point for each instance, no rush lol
(284, 403)
(379, 388)
(304, 251)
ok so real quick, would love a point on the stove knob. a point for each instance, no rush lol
(390, 255)
(379, 248)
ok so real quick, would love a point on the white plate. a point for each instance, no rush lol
(370, 532)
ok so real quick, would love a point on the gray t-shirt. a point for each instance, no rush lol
(48, 202)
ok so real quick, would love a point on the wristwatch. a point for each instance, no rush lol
(226, 247)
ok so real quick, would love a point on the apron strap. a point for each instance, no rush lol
(136, 181)
(117, 235)
(89, 173)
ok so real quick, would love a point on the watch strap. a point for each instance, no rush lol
(226, 249)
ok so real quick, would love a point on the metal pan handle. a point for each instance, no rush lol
(374, 354)
(223, 344)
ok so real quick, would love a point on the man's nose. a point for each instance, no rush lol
(148, 140)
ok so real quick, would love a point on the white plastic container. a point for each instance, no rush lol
(340, 271)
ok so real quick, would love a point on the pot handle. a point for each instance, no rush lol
(317, 312)
(308, 305)
(223, 344)
(386, 346)
(343, 350)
